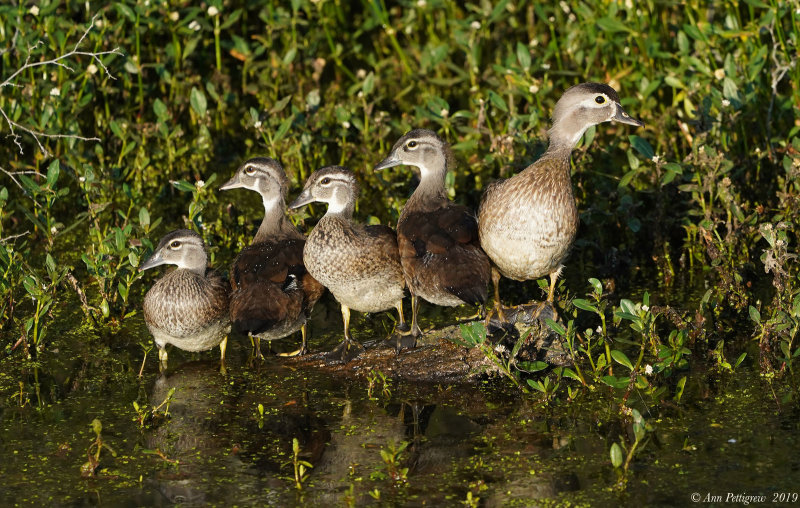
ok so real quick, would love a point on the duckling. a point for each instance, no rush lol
(188, 307)
(528, 222)
(273, 293)
(438, 240)
(359, 264)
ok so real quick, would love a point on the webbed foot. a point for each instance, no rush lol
(344, 352)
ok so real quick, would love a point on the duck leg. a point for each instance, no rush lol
(548, 305)
(162, 358)
(415, 331)
(303, 347)
(402, 338)
(349, 348)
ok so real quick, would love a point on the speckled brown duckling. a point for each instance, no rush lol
(439, 250)
(528, 222)
(273, 293)
(359, 264)
(188, 307)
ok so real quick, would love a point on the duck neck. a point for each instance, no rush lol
(275, 224)
(430, 193)
(342, 204)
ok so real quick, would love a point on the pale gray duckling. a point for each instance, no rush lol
(528, 222)
(188, 307)
(273, 293)
(438, 240)
(360, 265)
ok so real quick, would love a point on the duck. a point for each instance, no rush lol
(360, 265)
(187, 307)
(440, 253)
(527, 223)
(272, 293)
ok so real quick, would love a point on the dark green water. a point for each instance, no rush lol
(726, 435)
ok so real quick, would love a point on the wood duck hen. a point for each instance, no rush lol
(360, 265)
(438, 240)
(188, 307)
(273, 293)
(528, 222)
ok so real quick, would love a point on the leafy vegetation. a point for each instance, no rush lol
(119, 122)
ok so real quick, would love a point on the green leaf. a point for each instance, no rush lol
(160, 109)
(642, 146)
(755, 315)
(567, 372)
(531, 367)
(523, 56)
(283, 129)
(616, 382)
(369, 83)
(144, 217)
(556, 327)
(497, 101)
(584, 305)
(616, 455)
(621, 358)
(198, 100)
(53, 170)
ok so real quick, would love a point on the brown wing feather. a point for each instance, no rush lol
(440, 248)
(270, 286)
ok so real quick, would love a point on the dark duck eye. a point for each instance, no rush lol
(175, 244)
(325, 181)
(600, 99)
(411, 144)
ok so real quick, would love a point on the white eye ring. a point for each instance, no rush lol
(175, 245)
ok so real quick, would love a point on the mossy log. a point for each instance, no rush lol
(438, 358)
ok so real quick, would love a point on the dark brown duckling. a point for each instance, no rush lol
(439, 250)
(188, 307)
(359, 264)
(528, 222)
(273, 293)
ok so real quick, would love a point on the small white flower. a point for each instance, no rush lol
(645, 308)
(99, 23)
(564, 6)
(82, 179)
(546, 66)
(346, 124)
(200, 184)
(725, 103)
(648, 370)
(360, 94)
(34, 10)
(533, 88)
(194, 25)
(53, 230)
(475, 25)
(92, 69)
(213, 11)
(599, 329)
(719, 74)
(174, 16)
(444, 112)
(257, 125)
(421, 3)
(656, 158)
(361, 73)
(55, 92)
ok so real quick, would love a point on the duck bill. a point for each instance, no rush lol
(304, 198)
(388, 162)
(152, 261)
(623, 117)
(233, 183)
